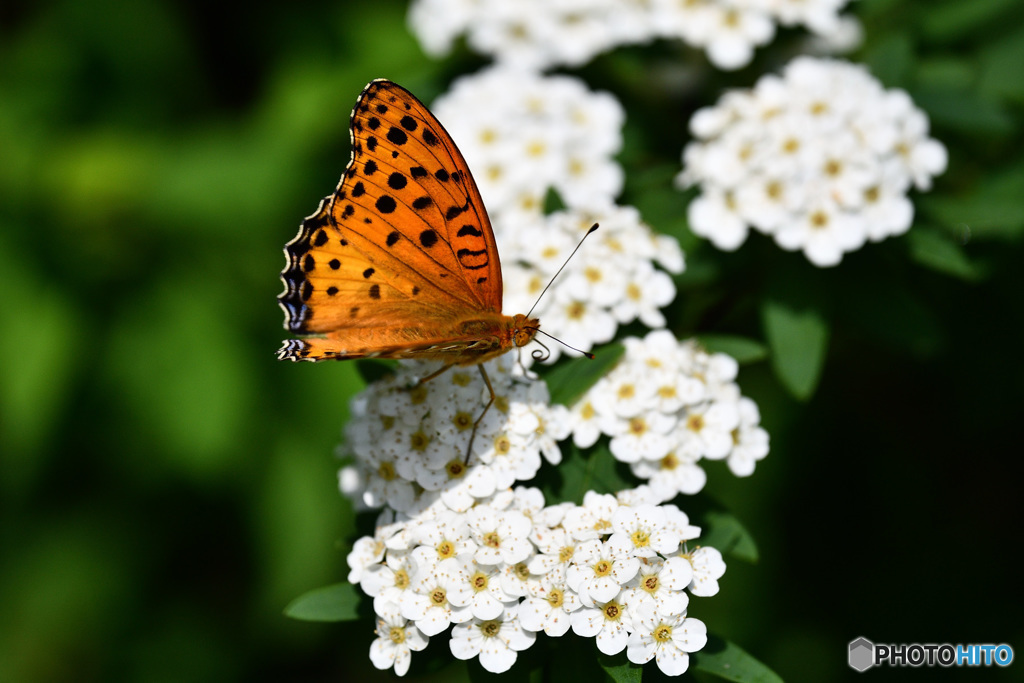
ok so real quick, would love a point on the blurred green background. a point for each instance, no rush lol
(167, 487)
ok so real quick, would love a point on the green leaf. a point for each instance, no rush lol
(579, 472)
(890, 58)
(1000, 68)
(727, 660)
(946, 73)
(940, 253)
(723, 531)
(965, 112)
(553, 202)
(337, 602)
(798, 338)
(620, 669)
(993, 209)
(949, 21)
(743, 349)
(567, 381)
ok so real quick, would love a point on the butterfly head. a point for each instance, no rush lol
(524, 329)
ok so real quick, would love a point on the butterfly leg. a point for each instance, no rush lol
(490, 402)
(435, 373)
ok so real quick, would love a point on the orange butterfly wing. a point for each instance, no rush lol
(400, 262)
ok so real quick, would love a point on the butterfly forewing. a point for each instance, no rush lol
(401, 261)
(408, 198)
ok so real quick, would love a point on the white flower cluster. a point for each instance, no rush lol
(539, 34)
(534, 133)
(410, 441)
(820, 158)
(611, 281)
(666, 406)
(510, 567)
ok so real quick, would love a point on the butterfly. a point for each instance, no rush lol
(400, 262)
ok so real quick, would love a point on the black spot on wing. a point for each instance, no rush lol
(472, 259)
(386, 203)
(397, 136)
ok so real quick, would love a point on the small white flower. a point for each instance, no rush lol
(489, 600)
(500, 537)
(548, 607)
(599, 569)
(667, 638)
(438, 596)
(750, 441)
(644, 437)
(708, 567)
(389, 581)
(556, 547)
(710, 427)
(593, 519)
(495, 641)
(645, 527)
(396, 639)
(649, 585)
(607, 622)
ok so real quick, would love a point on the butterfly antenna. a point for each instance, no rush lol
(552, 280)
(541, 356)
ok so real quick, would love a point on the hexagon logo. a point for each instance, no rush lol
(862, 654)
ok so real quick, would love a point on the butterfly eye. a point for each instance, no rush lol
(522, 335)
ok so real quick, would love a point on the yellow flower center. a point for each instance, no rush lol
(502, 444)
(641, 538)
(419, 441)
(386, 471)
(462, 420)
(456, 469)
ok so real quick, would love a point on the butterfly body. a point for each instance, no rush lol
(401, 261)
